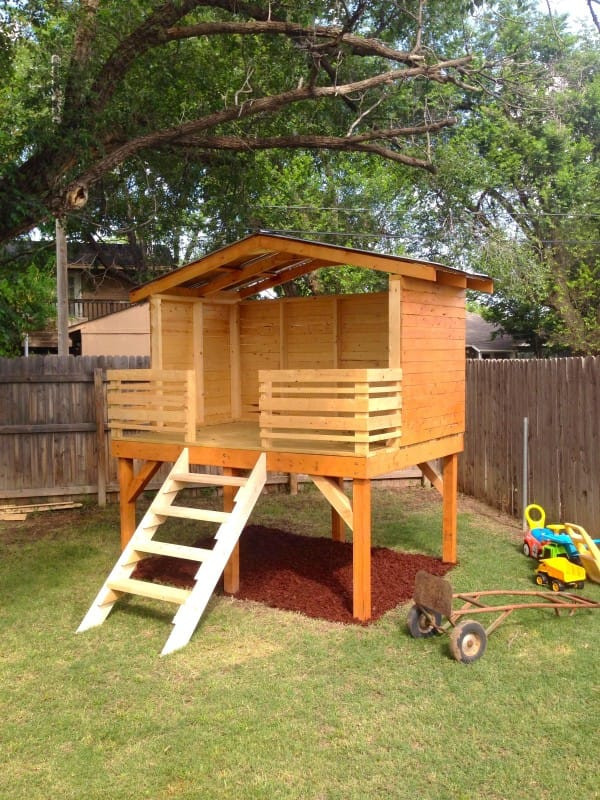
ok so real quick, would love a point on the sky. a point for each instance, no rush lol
(578, 9)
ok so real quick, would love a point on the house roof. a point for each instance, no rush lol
(264, 260)
(116, 256)
(485, 337)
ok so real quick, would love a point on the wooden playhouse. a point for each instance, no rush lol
(349, 386)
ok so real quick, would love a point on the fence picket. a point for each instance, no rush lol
(45, 391)
(561, 398)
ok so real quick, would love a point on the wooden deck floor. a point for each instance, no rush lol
(245, 435)
(237, 444)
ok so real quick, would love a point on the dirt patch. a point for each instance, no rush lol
(310, 575)
(56, 524)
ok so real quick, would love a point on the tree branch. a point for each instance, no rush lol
(596, 20)
(357, 44)
(362, 142)
(251, 108)
(82, 49)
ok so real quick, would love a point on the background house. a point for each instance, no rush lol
(122, 333)
(100, 278)
(483, 340)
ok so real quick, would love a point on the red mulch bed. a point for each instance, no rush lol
(306, 574)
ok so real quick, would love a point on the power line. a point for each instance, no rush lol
(364, 235)
(352, 234)
(351, 210)
(317, 208)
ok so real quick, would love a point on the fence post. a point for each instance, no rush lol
(99, 413)
(525, 469)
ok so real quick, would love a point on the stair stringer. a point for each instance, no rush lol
(150, 522)
(188, 616)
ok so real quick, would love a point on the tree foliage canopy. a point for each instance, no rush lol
(139, 86)
(453, 129)
(517, 186)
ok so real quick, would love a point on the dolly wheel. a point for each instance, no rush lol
(468, 641)
(422, 624)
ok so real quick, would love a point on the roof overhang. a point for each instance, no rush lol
(263, 260)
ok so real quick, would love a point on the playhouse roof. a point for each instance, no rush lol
(264, 260)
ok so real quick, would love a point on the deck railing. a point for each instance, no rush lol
(343, 411)
(90, 309)
(152, 401)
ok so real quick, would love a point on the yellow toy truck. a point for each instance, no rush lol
(560, 574)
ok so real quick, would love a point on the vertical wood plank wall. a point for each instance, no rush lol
(328, 332)
(432, 355)
(308, 332)
(217, 362)
(259, 348)
(195, 334)
(362, 326)
(176, 341)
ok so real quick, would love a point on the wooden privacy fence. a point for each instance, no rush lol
(53, 434)
(560, 397)
(54, 438)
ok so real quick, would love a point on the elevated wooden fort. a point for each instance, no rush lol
(336, 387)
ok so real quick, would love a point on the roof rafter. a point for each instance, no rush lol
(263, 260)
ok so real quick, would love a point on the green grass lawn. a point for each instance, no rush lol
(267, 704)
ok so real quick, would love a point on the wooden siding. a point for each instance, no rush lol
(152, 401)
(347, 412)
(175, 331)
(307, 330)
(432, 353)
(330, 332)
(217, 362)
(362, 325)
(260, 348)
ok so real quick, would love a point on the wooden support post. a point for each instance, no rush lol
(99, 413)
(235, 362)
(130, 488)
(293, 483)
(231, 573)
(395, 322)
(127, 505)
(338, 532)
(198, 358)
(361, 549)
(450, 497)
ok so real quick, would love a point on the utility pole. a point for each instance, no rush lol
(62, 281)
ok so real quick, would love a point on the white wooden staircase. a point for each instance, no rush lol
(192, 602)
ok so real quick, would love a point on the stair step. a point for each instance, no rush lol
(172, 550)
(146, 589)
(202, 514)
(205, 479)
(192, 603)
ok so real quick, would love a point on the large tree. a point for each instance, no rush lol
(516, 194)
(177, 93)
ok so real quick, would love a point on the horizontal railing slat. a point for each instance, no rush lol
(356, 410)
(151, 401)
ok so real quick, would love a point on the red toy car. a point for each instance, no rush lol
(532, 546)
